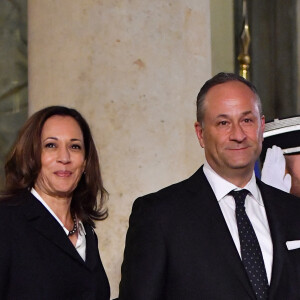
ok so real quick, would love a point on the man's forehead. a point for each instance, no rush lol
(243, 113)
(231, 105)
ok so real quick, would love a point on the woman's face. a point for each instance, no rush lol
(62, 157)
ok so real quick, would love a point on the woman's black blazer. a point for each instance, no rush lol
(37, 259)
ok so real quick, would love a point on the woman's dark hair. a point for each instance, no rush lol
(24, 164)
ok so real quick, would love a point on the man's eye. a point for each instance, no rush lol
(223, 123)
(247, 120)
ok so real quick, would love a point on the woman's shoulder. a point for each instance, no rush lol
(16, 199)
(14, 211)
(10, 204)
(8, 208)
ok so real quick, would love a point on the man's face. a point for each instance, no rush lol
(232, 131)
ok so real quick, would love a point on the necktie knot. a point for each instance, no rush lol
(239, 197)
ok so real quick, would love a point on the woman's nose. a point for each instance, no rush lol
(63, 155)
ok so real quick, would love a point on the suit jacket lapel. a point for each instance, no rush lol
(92, 252)
(204, 199)
(277, 236)
(43, 222)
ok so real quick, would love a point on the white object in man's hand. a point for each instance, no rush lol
(273, 171)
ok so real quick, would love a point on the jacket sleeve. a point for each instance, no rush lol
(144, 265)
(5, 252)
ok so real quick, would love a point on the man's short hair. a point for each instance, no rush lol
(219, 79)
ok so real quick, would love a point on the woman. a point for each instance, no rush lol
(49, 249)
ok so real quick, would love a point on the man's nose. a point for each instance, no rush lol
(237, 133)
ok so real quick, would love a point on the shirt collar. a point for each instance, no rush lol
(81, 229)
(222, 187)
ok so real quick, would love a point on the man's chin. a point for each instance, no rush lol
(242, 165)
(242, 162)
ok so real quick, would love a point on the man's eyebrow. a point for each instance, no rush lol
(227, 116)
(222, 116)
(247, 112)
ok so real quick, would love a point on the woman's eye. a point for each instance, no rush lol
(76, 147)
(50, 145)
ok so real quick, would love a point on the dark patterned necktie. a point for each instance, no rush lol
(250, 250)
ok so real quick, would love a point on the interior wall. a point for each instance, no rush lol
(222, 36)
(133, 69)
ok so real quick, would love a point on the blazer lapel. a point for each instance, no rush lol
(92, 252)
(277, 235)
(205, 200)
(43, 222)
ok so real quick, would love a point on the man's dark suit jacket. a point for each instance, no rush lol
(179, 247)
(37, 259)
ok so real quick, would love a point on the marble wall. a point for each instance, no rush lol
(222, 36)
(13, 74)
(133, 68)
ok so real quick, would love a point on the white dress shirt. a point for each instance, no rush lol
(81, 240)
(254, 208)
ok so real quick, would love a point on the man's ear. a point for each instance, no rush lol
(200, 133)
(263, 124)
(263, 121)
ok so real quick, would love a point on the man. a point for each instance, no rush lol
(187, 241)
